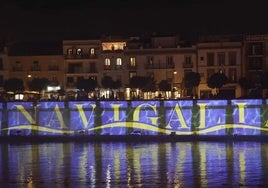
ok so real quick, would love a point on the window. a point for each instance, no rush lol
(132, 74)
(210, 59)
(70, 51)
(1, 64)
(35, 66)
(187, 62)
(53, 66)
(201, 58)
(79, 51)
(92, 67)
(221, 58)
(17, 66)
(107, 64)
(92, 51)
(1, 80)
(70, 79)
(256, 49)
(232, 58)
(186, 71)
(170, 63)
(232, 75)
(132, 62)
(118, 61)
(150, 62)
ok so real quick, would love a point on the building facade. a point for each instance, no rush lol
(159, 57)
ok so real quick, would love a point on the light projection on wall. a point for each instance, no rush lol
(155, 117)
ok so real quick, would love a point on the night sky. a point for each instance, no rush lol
(83, 19)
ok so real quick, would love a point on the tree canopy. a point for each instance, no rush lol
(38, 84)
(144, 83)
(14, 85)
(192, 79)
(87, 84)
(108, 82)
(164, 85)
(217, 80)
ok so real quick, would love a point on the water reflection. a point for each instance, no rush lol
(116, 164)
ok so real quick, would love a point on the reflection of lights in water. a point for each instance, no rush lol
(117, 165)
(29, 181)
(203, 165)
(108, 176)
(242, 167)
(92, 176)
(83, 163)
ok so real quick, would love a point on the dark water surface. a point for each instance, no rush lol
(120, 164)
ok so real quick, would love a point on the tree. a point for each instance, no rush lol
(217, 80)
(136, 82)
(164, 85)
(245, 84)
(87, 84)
(145, 83)
(14, 85)
(191, 81)
(117, 84)
(107, 82)
(38, 84)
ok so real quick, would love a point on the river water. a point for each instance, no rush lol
(120, 164)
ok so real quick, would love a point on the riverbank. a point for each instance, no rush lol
(131, 138)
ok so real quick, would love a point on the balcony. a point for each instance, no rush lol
(35, 68)
(53, 68)
(159, 66)
(107, 67)
(187, 65)
(17, 69)
(118, 67)
(83, 56)
(132, 67)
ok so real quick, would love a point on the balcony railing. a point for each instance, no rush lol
(53, 68)
(83, 56)
(159, 66)
(107, 67)
(17, 69)
(132, 67)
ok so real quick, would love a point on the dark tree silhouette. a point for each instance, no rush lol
(14, 85)
(164, 85)
(136, 82)
(143, 83)
(38, 84)
(191, 81)
(87, 84)
(217, 80)
(107, 82)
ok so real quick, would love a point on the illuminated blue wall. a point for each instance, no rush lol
(155, 117)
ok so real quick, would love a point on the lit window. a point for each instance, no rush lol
(69, 51)
(92, 51)
(118, 61)
(107, 62)
(79, 51)
(132, 74)
(132, 61)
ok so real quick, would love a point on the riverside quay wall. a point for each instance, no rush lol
(146, 117)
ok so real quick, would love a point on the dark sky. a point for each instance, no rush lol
(82, 19)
